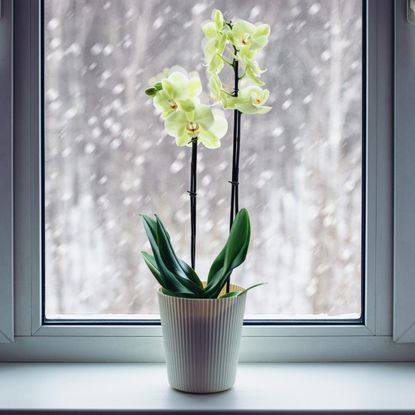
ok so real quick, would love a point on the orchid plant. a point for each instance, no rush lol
(176, 95)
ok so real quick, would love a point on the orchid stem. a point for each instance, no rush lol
(193, 194)
(235, 158)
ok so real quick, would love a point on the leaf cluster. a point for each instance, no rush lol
(177, 278)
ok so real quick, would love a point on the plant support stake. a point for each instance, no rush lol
(235, 157)
(193, 194)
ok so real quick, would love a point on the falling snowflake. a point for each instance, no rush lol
(314, 9)
(158, 23)
(96, 49)
(286, 104)
(254, 13)
(89, 148)
(118, 89)
(199, 8)
(53, 24)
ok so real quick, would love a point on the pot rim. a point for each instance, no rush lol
(238, 288)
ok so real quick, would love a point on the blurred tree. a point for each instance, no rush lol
(107, 158)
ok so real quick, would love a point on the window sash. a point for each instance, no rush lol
(151, 320)
(371, 340)
(6, 173)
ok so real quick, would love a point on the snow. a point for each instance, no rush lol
(314, 9)
(107, 158)
(158, 23)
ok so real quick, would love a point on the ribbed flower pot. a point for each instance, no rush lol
(201, 341)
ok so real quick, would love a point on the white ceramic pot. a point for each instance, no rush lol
(201, 341)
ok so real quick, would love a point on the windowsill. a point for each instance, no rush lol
(267, 387)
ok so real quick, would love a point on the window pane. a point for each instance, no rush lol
(107, 158)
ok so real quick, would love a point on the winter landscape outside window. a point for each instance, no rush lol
(103, 145)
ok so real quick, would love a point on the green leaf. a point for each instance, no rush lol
(158, 86)
(151, 91)
(172, 294)
(151, 223)
(238, 241)
(238, 293)
(166, 250)
(191, 281)
(190, 273)
(216, 266)
(170, 280)
(231, 294)
(231, 256)
(151, 263)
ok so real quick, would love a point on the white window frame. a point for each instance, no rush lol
(372, 340)
(404, 209)
(6, 174)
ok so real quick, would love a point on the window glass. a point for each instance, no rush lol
(107, 158)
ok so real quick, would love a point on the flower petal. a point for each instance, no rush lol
(209, 50)
(204, 116)
(259, 42)
(168, 88)
(242, 27)
(216, 64)
(217, 17)
(250, 73)
(175, 123)
(209, 29)
(208, 139)
(182, 139)
(246, 108)
(161, 102)
(220, 124)
(262, 30)
(263, 109)
(194, 87)
(179, 83)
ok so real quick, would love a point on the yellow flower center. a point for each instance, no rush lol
(192, 128)
(173, 105)
(246, 39)
(258, 100)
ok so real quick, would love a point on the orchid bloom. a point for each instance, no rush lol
(250, 100)
(240, 41)
(245, 35)
(176, 91)
(205, 124)
(215, 42)
(217, 93)
(176, 95)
